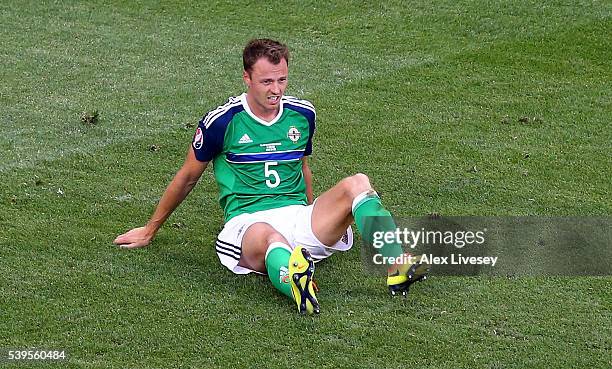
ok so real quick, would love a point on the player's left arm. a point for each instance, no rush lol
(308, 179)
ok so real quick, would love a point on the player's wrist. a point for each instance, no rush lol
(151, 229)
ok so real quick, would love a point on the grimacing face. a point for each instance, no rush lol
(266, 84)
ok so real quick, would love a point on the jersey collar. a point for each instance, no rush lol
(259, 120)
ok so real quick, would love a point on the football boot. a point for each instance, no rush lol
(405, 275)
(301, 272)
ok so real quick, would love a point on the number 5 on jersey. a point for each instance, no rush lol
(272, 177)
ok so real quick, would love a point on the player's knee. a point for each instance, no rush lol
(275, 237)
(362, 179)
(358, 183)
(361, 182)
(260, 235)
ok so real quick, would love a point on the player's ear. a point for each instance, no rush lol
(246, 77)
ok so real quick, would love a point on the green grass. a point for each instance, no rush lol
(414, 94)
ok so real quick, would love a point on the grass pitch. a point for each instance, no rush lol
(459, 108)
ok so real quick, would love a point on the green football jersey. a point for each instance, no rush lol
(256, 163)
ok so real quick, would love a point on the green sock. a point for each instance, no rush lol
(370, 216)
(277, 265)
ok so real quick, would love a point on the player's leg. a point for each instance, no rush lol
(255, 244)
(354, 199)
(266, 250)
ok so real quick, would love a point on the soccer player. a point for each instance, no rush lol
(258, 144)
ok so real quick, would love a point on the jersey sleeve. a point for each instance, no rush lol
(208, 139)
(311, 131)
(208, 142)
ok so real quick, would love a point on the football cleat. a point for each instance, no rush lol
(399, 282)
(301, 271)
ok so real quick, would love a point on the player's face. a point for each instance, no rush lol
(266, 84)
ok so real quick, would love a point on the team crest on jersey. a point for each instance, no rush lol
(294, 134)
(198, 139)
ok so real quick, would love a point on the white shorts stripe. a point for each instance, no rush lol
(227, 252)
(223, 243)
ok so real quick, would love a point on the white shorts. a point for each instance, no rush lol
(293, 222)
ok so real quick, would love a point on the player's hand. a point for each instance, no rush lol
(135, 238)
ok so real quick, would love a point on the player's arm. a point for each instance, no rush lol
(308, 179)
(182, 183)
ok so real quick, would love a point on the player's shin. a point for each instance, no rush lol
(277, 262)
(371, 218)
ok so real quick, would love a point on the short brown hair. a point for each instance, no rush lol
(272, 50)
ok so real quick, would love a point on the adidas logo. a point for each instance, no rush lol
(245, 139)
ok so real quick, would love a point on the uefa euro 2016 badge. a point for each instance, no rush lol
(198, 139)
(293, 134)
